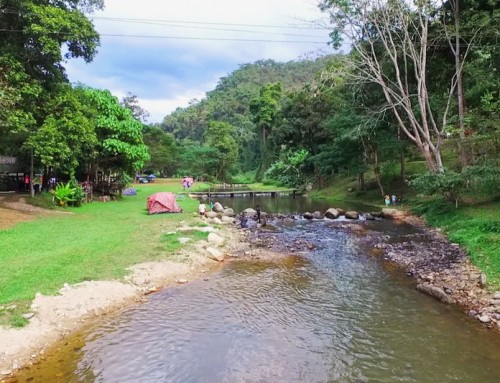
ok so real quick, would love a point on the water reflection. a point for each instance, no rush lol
(287, 204)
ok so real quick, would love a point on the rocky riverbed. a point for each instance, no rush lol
(441, 269)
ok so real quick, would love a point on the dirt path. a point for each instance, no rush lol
(14, 209)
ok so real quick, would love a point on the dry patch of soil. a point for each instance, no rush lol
(15, 209)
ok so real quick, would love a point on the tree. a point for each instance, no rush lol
(120, 146)
(390, 42)
(35, 31)
(162, 149)
(219, 137)
(288, 169)
(66, 137)
(130, 101)
(199, 161)
(265, 110)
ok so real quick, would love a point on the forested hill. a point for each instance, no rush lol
(230, 100)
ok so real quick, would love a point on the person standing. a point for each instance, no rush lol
(394, 199)
(202, 209)
(257, 208)
(387, 200)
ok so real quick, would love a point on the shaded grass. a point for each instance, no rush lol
(97, 241)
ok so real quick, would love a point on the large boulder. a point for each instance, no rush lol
(317, 215)
(228, 212)
(391, 213)
(211, 214)
(308, 215)
(332, 213)
(215, 254)
(249, 211)
(215, 239)
(352, 214)
(369, 217)
(226, 219)
(218, 207)
(435, 292)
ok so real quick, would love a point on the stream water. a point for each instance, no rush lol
(335, 314)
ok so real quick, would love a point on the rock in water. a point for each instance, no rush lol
(434, 292)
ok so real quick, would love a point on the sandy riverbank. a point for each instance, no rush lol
(55, 317)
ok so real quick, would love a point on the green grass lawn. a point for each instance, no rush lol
(97, 241)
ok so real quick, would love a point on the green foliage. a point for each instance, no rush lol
(219, 136)
(120, 144)
(288, 170)
(163, 150)
(77, 195)
(63, 194)
(475, 227)
(66, 137)
(243, 178)
(230, 102)
(453, 185)
(198, 161)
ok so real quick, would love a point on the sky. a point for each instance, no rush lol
(169, 52)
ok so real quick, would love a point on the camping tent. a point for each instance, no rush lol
(129, 191)
(163, 202)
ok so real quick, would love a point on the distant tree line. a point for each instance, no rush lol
(419, 88)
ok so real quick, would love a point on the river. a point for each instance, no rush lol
(334, 314)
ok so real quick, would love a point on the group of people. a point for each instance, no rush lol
(187, 182)
(391, 200)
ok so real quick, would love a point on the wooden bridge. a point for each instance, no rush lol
(235, 193)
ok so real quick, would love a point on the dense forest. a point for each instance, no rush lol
(418, 91)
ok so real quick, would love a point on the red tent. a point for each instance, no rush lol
(163, 202)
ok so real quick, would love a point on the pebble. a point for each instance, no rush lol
(485, 319)
(182, 281)
(28, 315)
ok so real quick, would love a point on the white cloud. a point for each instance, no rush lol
(166, 73)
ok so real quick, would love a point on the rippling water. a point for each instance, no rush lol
(331, 315)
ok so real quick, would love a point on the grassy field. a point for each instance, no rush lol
(97, 241)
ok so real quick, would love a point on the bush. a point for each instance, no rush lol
(69, 194)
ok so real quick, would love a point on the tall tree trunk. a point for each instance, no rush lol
(458, 70)
(361, 181)
(376, 172)
(402, 160)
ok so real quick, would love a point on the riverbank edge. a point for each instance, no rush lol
(56, 317)
(448, 275)
(68, 314)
